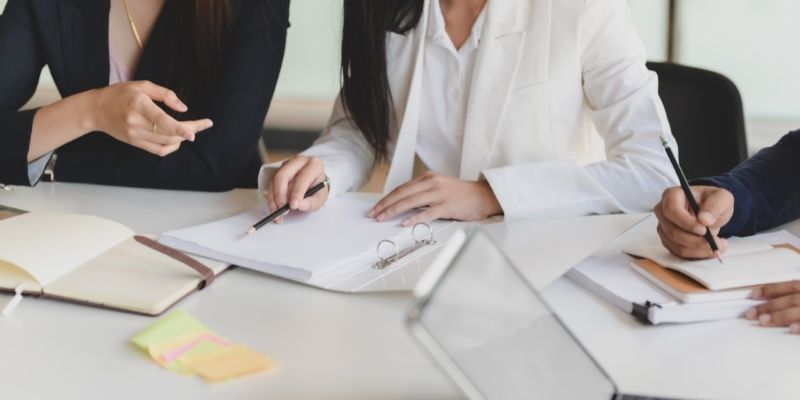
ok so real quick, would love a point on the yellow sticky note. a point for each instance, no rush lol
(170, 354)
(227, 363)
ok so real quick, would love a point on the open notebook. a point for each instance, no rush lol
(94, 261)
(748, 262)
(334, 248)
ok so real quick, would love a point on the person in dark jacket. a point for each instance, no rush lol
(157, 94)
(761, 193)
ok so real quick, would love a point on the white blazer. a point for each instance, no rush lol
(563, 117)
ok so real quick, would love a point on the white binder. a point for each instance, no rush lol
(337, 248)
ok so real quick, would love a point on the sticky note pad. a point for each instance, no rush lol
(227, 363)
(181, 344)
(173, 326)
(177, 333)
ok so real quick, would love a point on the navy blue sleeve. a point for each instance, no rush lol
(766, 188)
(20, 65)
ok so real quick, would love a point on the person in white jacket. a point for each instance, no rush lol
(527, 108)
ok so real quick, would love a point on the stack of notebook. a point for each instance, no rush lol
(637, 275)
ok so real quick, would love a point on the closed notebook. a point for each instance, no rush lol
(93, 261)
(747, 263)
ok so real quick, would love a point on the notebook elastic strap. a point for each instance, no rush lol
(207, 273)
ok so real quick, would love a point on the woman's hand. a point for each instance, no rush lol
(292, 181)
(782, 307)
(444, 197)
(128, 112)
(681, 232)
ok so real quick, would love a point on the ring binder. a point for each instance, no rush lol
(419, 242)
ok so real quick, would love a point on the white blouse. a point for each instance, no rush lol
(446, 81)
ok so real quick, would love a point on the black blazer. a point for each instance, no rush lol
(71, 37)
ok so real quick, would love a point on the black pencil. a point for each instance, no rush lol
(689, 195)
(277, 213)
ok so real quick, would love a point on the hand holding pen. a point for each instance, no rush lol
(286, 207)
(688, 227)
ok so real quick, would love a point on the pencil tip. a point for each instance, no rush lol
(250, 231)
(719, 256)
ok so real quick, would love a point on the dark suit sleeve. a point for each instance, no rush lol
(20, 65)
(219, 157)
(766, 188)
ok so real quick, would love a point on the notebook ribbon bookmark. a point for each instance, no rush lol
(9, 308)
(207, 273)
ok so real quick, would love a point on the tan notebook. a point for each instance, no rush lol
(778, 263)
(94, 261)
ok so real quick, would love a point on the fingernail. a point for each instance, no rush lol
(295, 204)
(381, 217)
(795, 328)
(700, 230)
(305, 206)
(405, 222)
(751, 314)
(756, 294)
(184, 107)
(209, 124)
(764, 319)
(371, 213)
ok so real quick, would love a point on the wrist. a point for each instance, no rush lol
(87, 117)
(492, 205)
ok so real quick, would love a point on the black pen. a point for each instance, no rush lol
(277, 213)
(689, 195)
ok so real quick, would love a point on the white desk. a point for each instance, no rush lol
(327, 345)
(334, 346)
(732, 359)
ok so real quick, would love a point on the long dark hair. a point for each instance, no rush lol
(365, 85)
(200, 33)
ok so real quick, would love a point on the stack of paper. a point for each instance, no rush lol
(305, 246)
(182, 344)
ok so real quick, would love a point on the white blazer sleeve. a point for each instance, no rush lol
(347, 156)
(628, 114)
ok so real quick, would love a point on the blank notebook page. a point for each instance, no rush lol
(750, 269)
(748, 262)
(49, 245)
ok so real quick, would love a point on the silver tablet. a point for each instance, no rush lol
(493, 334)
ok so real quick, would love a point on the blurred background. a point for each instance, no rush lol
(751, 42)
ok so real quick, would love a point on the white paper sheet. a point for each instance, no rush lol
(311, 242)
(748, 262)
(49, 245)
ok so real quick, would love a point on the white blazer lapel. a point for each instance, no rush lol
(402, 164)
(496, 67)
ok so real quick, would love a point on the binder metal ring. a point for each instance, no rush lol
(387, 260)
(429, 234)
(420, 241)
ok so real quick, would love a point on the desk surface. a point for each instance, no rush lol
(353, 346)
(327, 345)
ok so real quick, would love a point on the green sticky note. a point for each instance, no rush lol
(174, 325)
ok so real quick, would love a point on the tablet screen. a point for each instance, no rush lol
(501, 336)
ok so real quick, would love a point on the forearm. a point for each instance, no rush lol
(60, 123)
(766, 188)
